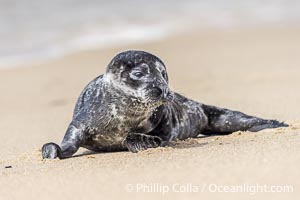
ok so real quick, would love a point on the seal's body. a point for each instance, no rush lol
(131, 107)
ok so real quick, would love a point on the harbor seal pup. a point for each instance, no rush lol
(131, 107)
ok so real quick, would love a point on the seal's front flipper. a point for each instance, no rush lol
(70, 144)
(138, 142)
(51, 151)
(224, 121)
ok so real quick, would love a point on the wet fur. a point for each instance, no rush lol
(112, 116)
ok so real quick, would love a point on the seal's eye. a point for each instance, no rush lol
(138, 74)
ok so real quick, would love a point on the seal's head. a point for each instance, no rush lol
(139, 75)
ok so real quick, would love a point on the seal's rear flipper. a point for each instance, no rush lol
(223, 121)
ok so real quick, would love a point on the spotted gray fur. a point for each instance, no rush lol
(131, 107)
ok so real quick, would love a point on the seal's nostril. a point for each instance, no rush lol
(157, 92)
(166, 92)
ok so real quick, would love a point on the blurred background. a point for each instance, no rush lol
(33, 30)
(239, 54)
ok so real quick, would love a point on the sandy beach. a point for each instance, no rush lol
(252, 70)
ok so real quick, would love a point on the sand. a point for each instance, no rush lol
(253, 70)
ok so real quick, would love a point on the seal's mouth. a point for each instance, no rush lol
(156, 94)
(153, 97)
(169, 96)
(166, 98)
(142, 107)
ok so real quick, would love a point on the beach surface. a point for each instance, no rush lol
(253, 70)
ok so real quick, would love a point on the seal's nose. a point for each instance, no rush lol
(157, 92)
(166, 92)
(160, 92)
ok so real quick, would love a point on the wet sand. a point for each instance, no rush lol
(252, 70)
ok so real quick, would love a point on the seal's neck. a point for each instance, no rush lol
(127, 103)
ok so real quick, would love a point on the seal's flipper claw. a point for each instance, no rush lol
(138, 142)
(155, 141)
